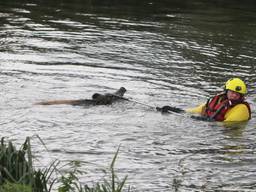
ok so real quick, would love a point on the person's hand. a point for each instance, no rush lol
(167, 108)
(159, 109)
(163, 109)
(202, 118)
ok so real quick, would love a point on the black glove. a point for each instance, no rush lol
(166, 109)
(202, 118)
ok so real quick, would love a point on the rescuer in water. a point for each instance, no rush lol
(229, 105)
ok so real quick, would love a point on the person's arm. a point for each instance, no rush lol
(199, 109)
(239, 112)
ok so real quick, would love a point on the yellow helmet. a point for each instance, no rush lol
(236, 85)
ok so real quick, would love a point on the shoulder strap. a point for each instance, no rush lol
(213, 101)
(249, 108)
(219, 110)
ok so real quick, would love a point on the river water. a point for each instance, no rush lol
(176, 53)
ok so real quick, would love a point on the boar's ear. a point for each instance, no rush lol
(122, 90)
(95, 95)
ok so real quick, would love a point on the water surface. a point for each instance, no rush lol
(177, 54)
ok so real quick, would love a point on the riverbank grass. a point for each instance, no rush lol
(17, 174)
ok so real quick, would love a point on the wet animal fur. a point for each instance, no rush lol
(97, 99)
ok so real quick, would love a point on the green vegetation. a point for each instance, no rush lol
(17, 169)
(14, 187)
(17, 174)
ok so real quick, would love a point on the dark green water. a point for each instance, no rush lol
(162, 52)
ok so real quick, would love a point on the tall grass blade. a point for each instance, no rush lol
(42, 142)
(30, 163)
(121, 185)
(114, 159)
